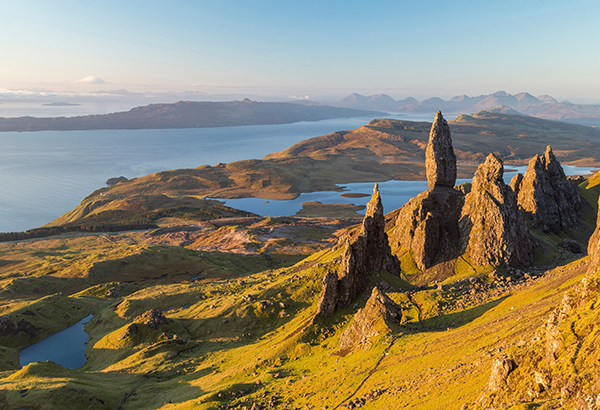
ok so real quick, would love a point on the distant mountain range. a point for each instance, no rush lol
(189, 114)
(542, 106)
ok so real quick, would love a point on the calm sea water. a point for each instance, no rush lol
(45, 174)
(66, 347)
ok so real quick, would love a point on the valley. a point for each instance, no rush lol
(208, 307)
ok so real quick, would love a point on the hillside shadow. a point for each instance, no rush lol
(452, 320)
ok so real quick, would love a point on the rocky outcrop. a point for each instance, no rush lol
(371, 321)
(427, 226)
(153, 317)
(440, 160)
(501, 368)
(8, 328)
(594, 246)
(367, 252)
(548, 197)
(491, 225)
(515, 183)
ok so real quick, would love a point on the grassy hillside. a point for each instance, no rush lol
(221, 313)
(246, 334)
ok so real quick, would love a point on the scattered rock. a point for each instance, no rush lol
(491, 225)
(548, 197)
(553, 336)
(113, 292)
(440, 160)
(375, 318)
(576, 179)
(464, 188)
(501, 368)
(368, 252)
(153, 317)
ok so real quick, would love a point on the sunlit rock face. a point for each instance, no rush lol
(427, 226)
(491, 225)
(364, 254)
(379, 313)
(440, 160)
(549, 198)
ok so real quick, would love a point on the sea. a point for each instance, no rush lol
(45, 174)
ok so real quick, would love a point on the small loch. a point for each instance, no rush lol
(394, 194)
(66, 347)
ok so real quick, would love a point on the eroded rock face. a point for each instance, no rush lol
(501, 368)
(427, 226)
(491, 225)
(440, 160)
(371, 321)
(368, 252)
(594, 246)
(545, 193)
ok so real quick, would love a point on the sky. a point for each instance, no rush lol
(320, 50)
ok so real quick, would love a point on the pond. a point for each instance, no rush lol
(66, 347)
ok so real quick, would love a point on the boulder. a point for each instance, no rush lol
(371, 321)
(440, 160)
(549, 198)
(368, 251)
(501, 368)
(492, 229)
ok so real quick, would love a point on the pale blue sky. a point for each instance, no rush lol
(315, 48)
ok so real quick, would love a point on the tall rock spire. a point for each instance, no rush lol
(440, 160)
(367, 252)
(427, 226)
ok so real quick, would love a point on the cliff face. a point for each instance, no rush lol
(368, 252)
(548, 197)
(427, 226)
(491, 225)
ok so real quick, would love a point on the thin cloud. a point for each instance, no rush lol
(91, 80)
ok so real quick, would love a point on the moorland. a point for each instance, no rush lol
(208, 307)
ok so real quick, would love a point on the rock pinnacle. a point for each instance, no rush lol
(440, 160)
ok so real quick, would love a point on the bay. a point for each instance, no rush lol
(46, 174)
